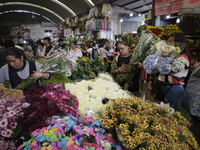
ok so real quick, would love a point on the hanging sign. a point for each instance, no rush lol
(165, 7)
(193, 1)
(12, 93)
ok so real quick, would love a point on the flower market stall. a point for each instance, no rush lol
(92, 114)
(88, 110)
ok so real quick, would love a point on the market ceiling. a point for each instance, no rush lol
(57, 11)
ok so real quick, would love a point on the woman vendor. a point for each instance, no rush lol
(118, 66)
(19, 69)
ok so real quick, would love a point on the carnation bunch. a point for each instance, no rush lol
(141, 125)
(10, 110)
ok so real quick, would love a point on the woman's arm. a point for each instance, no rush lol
(36, 75)
(2, 86)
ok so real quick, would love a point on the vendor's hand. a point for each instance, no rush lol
(36, 75)
(138, 64)
(150, 85)
(122, 70)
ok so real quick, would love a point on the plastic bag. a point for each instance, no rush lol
(58, 63)
(165, 65)
(150, 64)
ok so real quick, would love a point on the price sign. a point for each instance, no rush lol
(12, 93)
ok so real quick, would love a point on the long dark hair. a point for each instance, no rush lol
(180, 37)
(16, 52)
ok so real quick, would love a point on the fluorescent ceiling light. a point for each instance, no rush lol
(64, 6)
(29, 12)
(90, 2)
(32, 5)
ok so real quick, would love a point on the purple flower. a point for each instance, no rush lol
(11, 113)
(3, 123)
(57, 86)
(2, 101)
(25, 105)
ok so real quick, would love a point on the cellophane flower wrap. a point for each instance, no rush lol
(10, 110)
(94, 95)
(150, 63)
(143, 125)
(72, 134)
(58, 63)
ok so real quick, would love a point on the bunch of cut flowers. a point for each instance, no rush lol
(165, 54)
(142, 125)
(94, 95)
(10, 110)
(141, 51)
(58, 63)
(69, 133)
(87, 68)
(47, 101)
(7, 144)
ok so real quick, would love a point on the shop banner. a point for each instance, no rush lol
(193, 1)
(12, 93)
(165, 7)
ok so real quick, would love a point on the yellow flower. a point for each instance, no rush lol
(103, 63)
(100, 57)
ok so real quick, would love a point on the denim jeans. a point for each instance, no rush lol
(174, 95)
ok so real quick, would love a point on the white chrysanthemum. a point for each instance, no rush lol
(99, 99)
(178, 64)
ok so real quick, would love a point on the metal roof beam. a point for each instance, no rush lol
(130, 3)
(141, 6)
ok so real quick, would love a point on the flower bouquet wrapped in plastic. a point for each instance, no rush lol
(57, 63)
(150, 63)
(162, 60)
(168, 52)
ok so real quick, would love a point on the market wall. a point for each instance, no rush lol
(37, 31)
(187, 4)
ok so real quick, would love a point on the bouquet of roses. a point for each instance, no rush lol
(68, 133)
(57, 63)
(10, 110)
(142, 125)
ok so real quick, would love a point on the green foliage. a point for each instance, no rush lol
(60, 79)
(86, 68)
(6, 84)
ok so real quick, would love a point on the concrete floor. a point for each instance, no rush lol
(194, 128)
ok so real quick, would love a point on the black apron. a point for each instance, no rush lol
(15, 80)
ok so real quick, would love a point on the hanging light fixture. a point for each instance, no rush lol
(131, 14)
(178, 20)
(139, 14)
(121, 20)
(33, 16)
